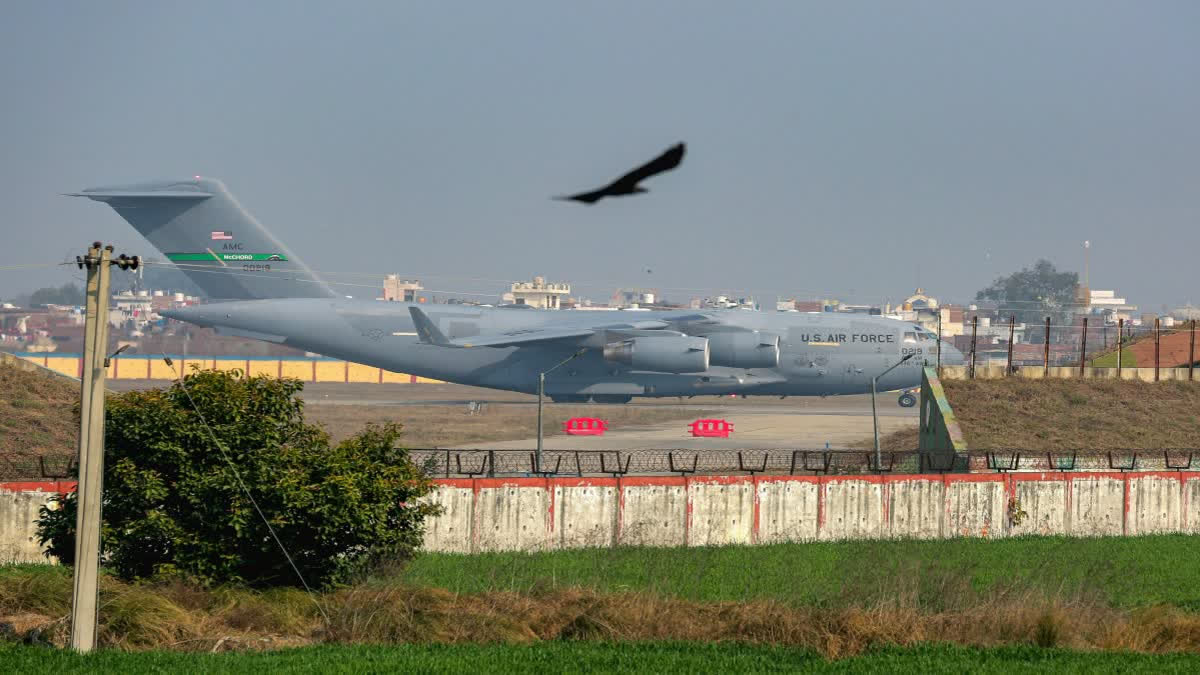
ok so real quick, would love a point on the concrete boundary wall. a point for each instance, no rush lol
(506, 514)
(530, 514)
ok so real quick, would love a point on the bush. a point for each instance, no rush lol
(173, 506)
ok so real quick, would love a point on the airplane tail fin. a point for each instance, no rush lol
(198, 225)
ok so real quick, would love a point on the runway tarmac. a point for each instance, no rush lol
(759, 422)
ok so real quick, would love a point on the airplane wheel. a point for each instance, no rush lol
(611, 398)
(907, 400)
(570, 398)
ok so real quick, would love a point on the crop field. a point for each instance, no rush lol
(595, 657)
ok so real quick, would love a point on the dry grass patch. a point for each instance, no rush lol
(179, 617)
(37, 413)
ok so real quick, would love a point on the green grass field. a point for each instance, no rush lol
(593, 657)
(1123, 572)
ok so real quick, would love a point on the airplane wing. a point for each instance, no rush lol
(523, 337)
(429, 333)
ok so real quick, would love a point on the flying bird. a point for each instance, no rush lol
(628, 184)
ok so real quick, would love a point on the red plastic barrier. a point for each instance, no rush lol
(585, 426)
(711, 428)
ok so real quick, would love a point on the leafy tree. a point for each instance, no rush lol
(1033, 293)
(173, 505)
(67, 294)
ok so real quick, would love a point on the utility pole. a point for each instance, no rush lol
(91, 443)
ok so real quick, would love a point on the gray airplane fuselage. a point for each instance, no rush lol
(819, 353)
(270, 294)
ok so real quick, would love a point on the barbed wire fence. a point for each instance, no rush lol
(1094, 343)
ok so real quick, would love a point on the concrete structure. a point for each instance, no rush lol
(537, 514)
(396, 289)
(539, 293)
(512, 514)
(20, 504)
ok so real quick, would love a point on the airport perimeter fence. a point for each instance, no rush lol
(1092, 344)
(443, 463)
(566, 463)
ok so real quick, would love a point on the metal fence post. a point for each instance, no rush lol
(1046, 352)
(974, 331)
(1012, 331)
(1083, 348)
(1192, 352)
(1156, 343)
(1120, 344)
(939, 340)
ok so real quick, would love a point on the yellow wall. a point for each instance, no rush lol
(331, 371)
(389, 376)
(67, 365)
(159, 370)
(270, 368)
(230, 364)
(326, 371)
(357, 372)
(301, 370)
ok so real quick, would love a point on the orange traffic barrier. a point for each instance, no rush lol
(585, 426)
(711, 428)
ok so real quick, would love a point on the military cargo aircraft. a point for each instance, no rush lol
(265, 292)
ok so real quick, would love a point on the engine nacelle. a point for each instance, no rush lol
(744, 349)
(667, 354)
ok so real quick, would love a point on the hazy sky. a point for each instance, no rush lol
(854, 149)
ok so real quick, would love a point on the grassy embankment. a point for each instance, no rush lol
(37, 413)
(837, 599)
(1069, 414)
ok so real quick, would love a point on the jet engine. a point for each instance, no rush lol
(667, 354)
(744, 349)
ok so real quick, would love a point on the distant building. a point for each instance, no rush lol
(634, 297)
(1107, 304)
(539, 293)
(396, 289)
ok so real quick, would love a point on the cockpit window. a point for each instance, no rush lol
(910, 336)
